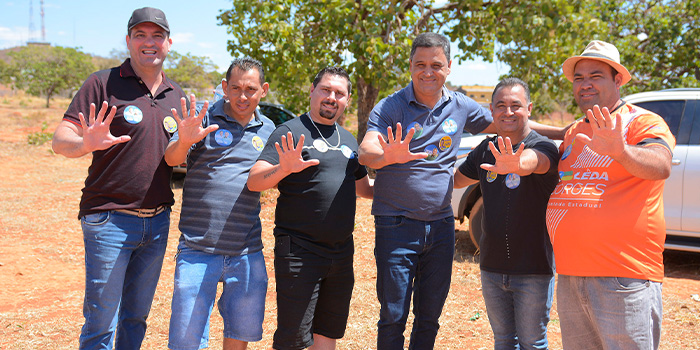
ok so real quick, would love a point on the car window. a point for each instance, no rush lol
(694, 138)
(277, 115)
(671, 111)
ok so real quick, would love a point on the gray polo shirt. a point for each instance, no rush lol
(422, 189)
(219, 214)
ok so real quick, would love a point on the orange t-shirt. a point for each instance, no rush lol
(603, 221)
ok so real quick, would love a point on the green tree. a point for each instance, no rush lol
(5, 73)
(47, 70)
(296, 38)
(658, 41)
(105, 63)
(194, 73)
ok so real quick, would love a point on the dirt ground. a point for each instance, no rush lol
(42, 274)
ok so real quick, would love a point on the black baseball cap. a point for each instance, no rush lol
(148, 14)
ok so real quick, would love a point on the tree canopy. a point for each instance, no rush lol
(196, 74)
(296, 38)
(47, 70)
(657, 39)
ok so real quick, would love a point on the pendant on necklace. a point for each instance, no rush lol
(320, 145)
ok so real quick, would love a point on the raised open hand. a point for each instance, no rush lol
(96, 134)
(396, 150)
(607, 137)
(189, 127)
(506, 162)
(290, 157)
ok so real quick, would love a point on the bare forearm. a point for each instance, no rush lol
(372, 156)
(461, 180)
(649, 163)
(176, 153)
(532, 161)
(264, 175)
(364, 187)
(68, 142)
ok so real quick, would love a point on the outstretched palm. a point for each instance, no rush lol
(396, 150)
(291, 160)
(607, 137)
(506, 162)
(189, 127)
(96, 134)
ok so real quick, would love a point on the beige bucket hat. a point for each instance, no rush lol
(599, 51)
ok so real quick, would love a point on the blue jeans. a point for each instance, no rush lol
(123, 259)
(413, 257)
(241, 305)
(609, 312)
(518, 308)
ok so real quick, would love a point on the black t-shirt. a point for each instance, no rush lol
(316, 207)
(133, 174)
(515, 239)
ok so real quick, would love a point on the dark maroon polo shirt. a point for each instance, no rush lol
(134, 174)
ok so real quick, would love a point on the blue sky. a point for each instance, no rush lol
(97, 27)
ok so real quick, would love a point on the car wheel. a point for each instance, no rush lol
(476, 218)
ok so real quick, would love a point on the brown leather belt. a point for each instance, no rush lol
(143, 213)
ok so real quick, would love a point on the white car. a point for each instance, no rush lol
(681, 110)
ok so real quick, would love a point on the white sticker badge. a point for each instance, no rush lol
(449, 126)
(133, 114)
(320, 145)
(347, 152)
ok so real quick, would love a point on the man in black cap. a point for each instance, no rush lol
(125, 206)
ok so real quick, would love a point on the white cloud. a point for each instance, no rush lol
(15, 36)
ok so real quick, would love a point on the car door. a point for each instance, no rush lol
(673, 111)
(690, 221)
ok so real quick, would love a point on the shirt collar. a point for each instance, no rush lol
(411, 96)
(218, 111)
(126, 70)
(622, 104)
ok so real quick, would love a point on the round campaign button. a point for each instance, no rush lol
(567, 151)
(512, 181)
(170, 124)
(491, 176)
(445, 143)
(133, 114)
(223, 137)
(347, 152)
(449, 126)
(417, 127)
(432, 151)
(320, 145)
(258, 143)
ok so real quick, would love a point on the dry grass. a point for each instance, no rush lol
(41, 261)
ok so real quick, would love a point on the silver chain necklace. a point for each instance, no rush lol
(324, 139)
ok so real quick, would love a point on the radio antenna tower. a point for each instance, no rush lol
(43, 28)
(30, 35)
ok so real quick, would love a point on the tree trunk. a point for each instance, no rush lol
(366, 98)
(48, 98)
